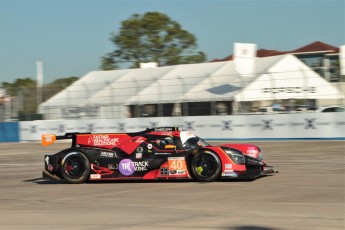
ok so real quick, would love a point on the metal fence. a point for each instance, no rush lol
(168, 96)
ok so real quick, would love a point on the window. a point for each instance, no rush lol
(199, 108)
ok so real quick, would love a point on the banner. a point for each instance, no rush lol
(9, 132)
(278, 126)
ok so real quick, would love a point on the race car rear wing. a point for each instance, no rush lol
(48, 139)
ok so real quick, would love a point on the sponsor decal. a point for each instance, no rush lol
(228, 166)
(252, 151)
(310, 123)
(226, 125)
(101, 140)
(289, 90)
(80, 111)
(267, 125)
(48, 139)
(121, 127)
(229, 173)
(95, 176)
(138, 155)
(61, 128)
(176, 164)
(91, 127)
(140, 165)
(180, 172)
(128, 167)
(33, 128)
(138, 140)
(158, 153)
(107, 154)
(188, 125)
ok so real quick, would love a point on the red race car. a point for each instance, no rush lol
(164, 153)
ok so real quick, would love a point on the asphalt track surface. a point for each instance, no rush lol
(307, 193)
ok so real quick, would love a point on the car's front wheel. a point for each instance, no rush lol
(206, 166)
(75, 168)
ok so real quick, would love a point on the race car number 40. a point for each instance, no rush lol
(177, 163)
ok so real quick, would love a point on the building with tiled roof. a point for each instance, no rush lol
(316, 47)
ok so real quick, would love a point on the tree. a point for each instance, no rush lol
(12, 88)
(56, 86)
(24, 93)
(30, 86)
(152, 37)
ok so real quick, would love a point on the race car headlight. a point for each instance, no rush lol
(235, 155)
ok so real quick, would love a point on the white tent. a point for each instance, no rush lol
(175, 83)
(288, 78)
(104, 94)
(225, 83)
(67, 102)
(110, 99)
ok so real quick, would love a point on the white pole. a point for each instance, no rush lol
(39, 69)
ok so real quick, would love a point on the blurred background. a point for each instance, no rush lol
(163, 61)
(308, 79)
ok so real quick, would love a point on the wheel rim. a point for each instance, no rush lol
(74, 167)
(206, 165)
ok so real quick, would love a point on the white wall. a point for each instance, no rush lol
(308, 125)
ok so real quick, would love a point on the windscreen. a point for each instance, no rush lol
(190, 141)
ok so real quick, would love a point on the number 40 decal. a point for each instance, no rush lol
(177, 163)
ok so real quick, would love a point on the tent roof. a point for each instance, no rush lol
(175, 83)
(215, 81)
(128, 85)
(223, 83)
(288, 78)
(84, 88)
(220, 85)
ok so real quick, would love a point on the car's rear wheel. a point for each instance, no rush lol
(75, 168)
(206, 166)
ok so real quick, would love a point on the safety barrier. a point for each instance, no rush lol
(278, 126)
(9, 132)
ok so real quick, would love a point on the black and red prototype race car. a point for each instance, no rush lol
(164, 153)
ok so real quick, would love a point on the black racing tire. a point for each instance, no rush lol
(75, 168)
(206, 166)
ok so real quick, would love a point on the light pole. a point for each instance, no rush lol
(39, 69)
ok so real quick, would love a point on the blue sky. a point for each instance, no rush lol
(69, 37)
